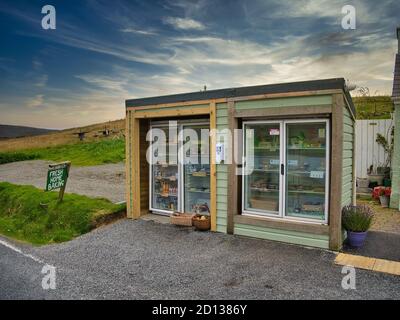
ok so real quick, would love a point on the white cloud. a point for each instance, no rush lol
(41, 81)
(37, 65)
(184, 23)
(35, 102)
(138, 31)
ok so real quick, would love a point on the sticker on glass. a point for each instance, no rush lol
(274, 132)
(321, 133)
(317, 174)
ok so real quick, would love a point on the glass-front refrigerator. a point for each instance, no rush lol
(307, 164)
(164, 173)
(286, 169)
(196, 169)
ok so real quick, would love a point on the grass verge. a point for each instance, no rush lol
(6, 157)
(80, 154)
(35, 216)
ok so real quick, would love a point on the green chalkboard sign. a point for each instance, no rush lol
(57, 176)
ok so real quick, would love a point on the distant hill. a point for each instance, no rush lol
(374, 107)
(9, 131)
(51, 138)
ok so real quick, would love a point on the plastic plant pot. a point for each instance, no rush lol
(356, 239)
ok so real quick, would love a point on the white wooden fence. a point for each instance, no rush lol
(367, 150)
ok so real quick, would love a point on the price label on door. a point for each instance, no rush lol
(317, 174)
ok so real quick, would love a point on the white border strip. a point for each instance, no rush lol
(10, 246)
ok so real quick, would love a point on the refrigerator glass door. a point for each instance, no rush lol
(164, 172)
(196, 169)
(262, 176)
(306, 170)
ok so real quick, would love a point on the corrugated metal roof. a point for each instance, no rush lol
(325, 84)
(396, 80)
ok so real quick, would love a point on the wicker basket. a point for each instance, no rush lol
(181, 219)
(202, 225)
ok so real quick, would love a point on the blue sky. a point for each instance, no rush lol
(103, 52)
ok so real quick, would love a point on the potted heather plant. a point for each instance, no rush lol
(356, 220)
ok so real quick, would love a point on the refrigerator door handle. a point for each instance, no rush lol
(282, 169)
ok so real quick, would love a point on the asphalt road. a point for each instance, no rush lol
(147, 260)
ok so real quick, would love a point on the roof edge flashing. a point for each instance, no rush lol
(301, 86)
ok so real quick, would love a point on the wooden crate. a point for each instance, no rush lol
(182, 219)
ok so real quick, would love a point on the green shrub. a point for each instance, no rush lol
(357, 218)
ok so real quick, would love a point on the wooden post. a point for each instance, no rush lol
(135, 158)
(354, 173)
(62, 189)
(335, 201)
(213, 171)
(232, 175)
(128, 155)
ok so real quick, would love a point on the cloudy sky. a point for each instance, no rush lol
(103, 52)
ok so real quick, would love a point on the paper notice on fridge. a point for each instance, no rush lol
(321, 133)
(274, 132)
(317, 174)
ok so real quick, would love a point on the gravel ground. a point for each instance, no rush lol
(147, 260)
(385, 219)
(107, 181)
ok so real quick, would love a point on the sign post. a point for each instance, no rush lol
(57, 177)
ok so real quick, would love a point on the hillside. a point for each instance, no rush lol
(375, 107)
(69, 136)
(10, 131)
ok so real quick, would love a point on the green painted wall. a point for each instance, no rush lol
(347, 170)
(284, 102)
(222, 173)
(395, 197)
(179, 108)
(306, 239)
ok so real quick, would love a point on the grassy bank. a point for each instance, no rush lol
(35, 216)
(375, 107)
(6, 157)
(80, 154)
